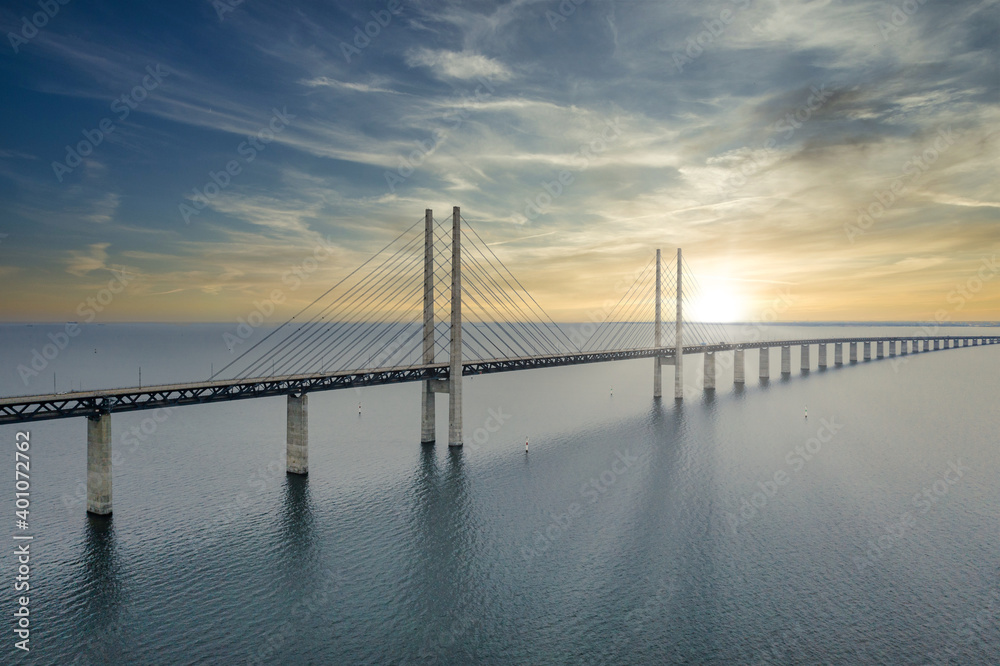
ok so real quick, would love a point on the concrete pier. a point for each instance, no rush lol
(427, 425)
(786, 360)
(879, 349)
(99, 464)
(838, 353)
(854, 352)
(709, 370)
(657, 337)
(904, 348)
(297, 434)
(455, 365)
(739, 374)
(868, 351)
(892, 348)
(822, 356)
(765, 363)
(804, 360)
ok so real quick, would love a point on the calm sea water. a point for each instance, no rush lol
(726, 529)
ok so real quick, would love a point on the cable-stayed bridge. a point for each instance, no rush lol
(433, 305)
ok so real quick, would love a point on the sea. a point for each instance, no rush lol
(847, 515)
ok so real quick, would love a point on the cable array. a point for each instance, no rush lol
(502, 319)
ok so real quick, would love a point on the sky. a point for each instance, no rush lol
(177, 160)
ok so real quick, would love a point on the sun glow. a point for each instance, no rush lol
(717, 302)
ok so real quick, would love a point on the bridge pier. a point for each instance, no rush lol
(739, 375)
(679, 337)
(804, 359)
(892, 348)
(854, 352)
(879, 349)
(868, 351)
(428, 428)
(838, 353)
(455, 371)
(786, 360)
(765, 363)
(99, 464)
(658, 337)
(904, 347)
(297, 434)
(822, 356)
(709, 371)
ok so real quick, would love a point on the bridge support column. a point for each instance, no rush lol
(868, 351)
(854, 352)
(99, 464)
(976, 342)
(709, 371)
(879, 349)
(455, 366)
(297, 434)
(739, 375)
(428, 429)
(904, 347)
(892, 348)
(786, 360)
(822, 355)
(804, 360)
(937, 345)
(838, 353)
(658, 337)
(679, 338)
(765, 363)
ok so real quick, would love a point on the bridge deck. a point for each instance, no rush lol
(21, 409)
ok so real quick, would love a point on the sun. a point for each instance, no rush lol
(717, 303)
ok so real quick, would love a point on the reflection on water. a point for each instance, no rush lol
(393, 552)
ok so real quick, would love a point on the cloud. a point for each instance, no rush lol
(82, 262)
(458, 65)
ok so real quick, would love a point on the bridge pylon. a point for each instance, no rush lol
(453, 385)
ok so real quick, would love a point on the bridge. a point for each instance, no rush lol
(352, 336)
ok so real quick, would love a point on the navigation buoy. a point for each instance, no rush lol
(359, 409)
(525, 444)
(807, 412)
(612, 390)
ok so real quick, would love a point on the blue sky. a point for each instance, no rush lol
(755, 134)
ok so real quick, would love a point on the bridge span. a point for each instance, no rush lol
(97, 406)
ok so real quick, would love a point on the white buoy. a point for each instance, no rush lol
(807, 412)
(525, 444)
(359, 409)
(612, 390)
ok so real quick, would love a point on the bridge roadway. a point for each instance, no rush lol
(21, 409)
